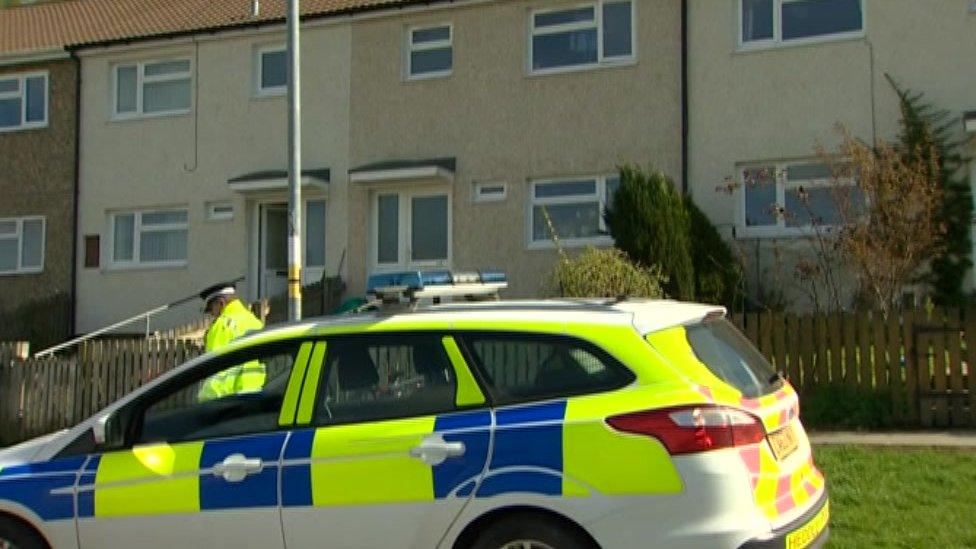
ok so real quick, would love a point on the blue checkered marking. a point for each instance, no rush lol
(296, 480)
(86, 497)
(527, 437)
(256, 490)
(65, 465)
(473, 429)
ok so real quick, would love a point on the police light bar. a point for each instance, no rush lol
(413, 285)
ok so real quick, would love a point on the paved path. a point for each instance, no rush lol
(950, 439)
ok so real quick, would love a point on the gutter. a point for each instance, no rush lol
(38, 56)
(684, 97)
(348, 12)
(76, 193)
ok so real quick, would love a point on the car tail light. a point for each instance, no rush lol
(689, 429)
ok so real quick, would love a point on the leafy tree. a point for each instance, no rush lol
(926, 136)
(649, 222)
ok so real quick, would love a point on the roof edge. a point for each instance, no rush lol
(33, 56)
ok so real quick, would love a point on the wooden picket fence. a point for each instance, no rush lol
(920, 362)
(42, 395)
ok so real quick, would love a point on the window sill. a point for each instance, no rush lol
(428, 76)
(131, 117)
(798, 43)
(24, 128)
(629, 62)
(116, 268)
(599, 241)
(772, 233)
(22, 272)
(272, 93)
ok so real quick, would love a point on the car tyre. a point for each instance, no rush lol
(531, 531)
(16, 535)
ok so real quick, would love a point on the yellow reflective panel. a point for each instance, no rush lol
(312, 377)
(295, 381)
(610, 462)
(147, 480)
(371, 463)
(468, 392)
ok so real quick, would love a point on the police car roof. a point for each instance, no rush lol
(646, 315)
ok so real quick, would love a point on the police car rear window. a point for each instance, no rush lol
(524, 367)
(732, 358)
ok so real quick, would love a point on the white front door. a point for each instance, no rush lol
(274, 250)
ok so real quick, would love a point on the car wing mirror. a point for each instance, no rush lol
(99, 429)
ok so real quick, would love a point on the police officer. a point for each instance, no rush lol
(231, 320)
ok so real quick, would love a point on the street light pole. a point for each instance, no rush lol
(294, 165)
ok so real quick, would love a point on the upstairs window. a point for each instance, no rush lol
(272, 64)
(582, 36)
(23, 101)
(431, 51)
(21, 245)
(771, 22)
(149, 238)
(153, 88)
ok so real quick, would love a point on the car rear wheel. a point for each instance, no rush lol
(14, 535)
(531, 531)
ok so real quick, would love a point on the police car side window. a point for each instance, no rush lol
(236, 394)
(525, 367)
(368, 378)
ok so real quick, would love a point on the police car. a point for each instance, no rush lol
(497, 424)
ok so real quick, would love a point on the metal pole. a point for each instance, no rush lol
(294, 166)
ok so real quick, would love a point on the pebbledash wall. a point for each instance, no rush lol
(755, 104)
(37, 179)
(505, 125)
(185, 161)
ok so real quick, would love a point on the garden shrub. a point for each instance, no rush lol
(838, 406)
(605, 272)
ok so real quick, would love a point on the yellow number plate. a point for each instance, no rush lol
(783, 442)
(805, 535)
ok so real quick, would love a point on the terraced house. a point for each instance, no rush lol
(434, 134)
(38, 106)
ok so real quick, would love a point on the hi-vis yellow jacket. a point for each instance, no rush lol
(235, 321)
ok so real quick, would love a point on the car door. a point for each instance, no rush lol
(192, 470)
(397, 439)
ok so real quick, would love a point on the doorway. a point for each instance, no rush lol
(273, 265)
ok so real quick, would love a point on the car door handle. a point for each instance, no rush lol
(236, 467)
(433, 450)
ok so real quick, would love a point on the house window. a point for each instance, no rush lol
(430, 51)
(315, 233)
(21, 245)
(23, 101)
(790, 198)
(272, 70)
(152, 88)
(771, 22)
(149, 238)
(411, 229)
(582, 36)
(574, 208)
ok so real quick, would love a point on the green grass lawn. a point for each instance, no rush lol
(900, 497)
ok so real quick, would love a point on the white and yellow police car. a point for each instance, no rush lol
(501, 424)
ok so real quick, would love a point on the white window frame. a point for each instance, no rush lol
(479, 187)
(141, 80)
(21, 93)
(600, 196)
(597, 22)
(411, 47)
(138, 229)
(404, 234)
(777, 39)
(780, 229)
(19, 236)
(216, 211)
(259, 89)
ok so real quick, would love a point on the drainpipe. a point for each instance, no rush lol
(75, 193)
(684, 97)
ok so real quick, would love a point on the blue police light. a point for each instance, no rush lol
(493, 276)
(413, 285)
(407, 280)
